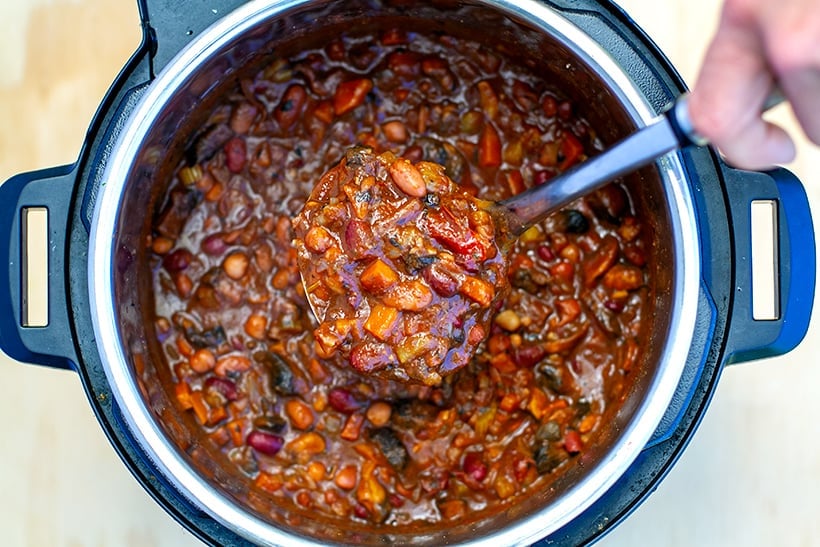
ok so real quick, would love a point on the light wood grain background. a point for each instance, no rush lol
(749, 477)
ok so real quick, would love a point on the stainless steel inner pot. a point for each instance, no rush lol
(149, 146)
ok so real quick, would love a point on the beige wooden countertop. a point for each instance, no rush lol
(749, 477)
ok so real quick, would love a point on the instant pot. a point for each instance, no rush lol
(96, 226)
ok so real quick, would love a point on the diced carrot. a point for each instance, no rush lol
(381, 321)
(318, 373)
(515, 182)
(568, 311)
(200, 406)
(235, 429)
(330, 335)
(183, 394)
(509, 402)
(220, 436)
(216, 415)
(477, 290)
(377, 277)
(453, 509)
(588, 423)
(324, 111)
(538, 403)
(503, 363)
(488, 99)
(185, 348)
(269, 482)
(489, 147)
(353, 427)
(623, 277)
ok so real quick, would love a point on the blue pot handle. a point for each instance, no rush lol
(796, 256)
(51, 344)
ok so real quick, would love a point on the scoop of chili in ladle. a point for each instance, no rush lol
(400, 265)
(402, 268)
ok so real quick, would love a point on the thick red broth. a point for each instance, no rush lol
(301, 425)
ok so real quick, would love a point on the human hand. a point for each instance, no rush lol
(759, 44)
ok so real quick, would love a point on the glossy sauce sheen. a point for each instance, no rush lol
(237, 333)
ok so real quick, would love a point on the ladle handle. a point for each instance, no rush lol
(668, 132)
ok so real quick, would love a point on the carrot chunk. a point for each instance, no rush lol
(381, 321)
(377, 277)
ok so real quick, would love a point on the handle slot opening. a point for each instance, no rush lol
(34, 262)
(765, 260)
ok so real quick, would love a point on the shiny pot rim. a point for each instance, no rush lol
(141, 420)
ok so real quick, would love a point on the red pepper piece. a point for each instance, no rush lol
(571, 150)
(445, 229)
(572, 441)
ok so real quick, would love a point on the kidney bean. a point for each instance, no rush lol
(224, 386)
(351, 94)
(342, 400)
(474, 466)
(177, 260)
(235, 154)
(291, 106)
(549, 105)
(231, 363)
(369, 357)
(440, 280)
(528, 356)
(243, 117)
(358, 239)
(408, 178)
(264, 442)
(214, 245)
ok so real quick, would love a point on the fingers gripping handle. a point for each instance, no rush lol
(42, 338)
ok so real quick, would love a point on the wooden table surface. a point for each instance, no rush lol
(749, 477)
